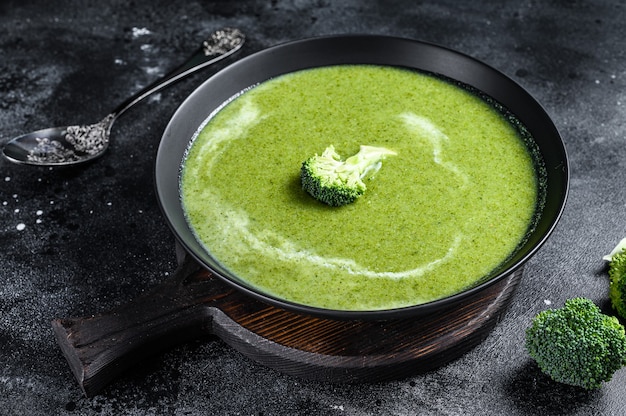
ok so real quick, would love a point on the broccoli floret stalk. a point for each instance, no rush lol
(619, 247)
(577, 344)
(617, 282)
(335, 182)
(617, 277)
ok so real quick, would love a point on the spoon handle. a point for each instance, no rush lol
(219, 45)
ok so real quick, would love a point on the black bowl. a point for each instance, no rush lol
(377, 50)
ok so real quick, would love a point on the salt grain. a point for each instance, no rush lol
(152, 70)
(140, 32)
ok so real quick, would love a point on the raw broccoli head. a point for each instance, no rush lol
(577, 344)
(617, 285)
(335, 182)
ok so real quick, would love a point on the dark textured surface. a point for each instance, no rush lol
(94, 238)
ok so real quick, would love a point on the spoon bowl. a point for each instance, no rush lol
(58, 146)
(70, 145)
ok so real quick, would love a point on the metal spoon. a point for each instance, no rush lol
(59, 146)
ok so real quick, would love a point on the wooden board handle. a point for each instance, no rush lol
(100, 347)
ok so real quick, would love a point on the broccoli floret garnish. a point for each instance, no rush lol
(335, 182)
(577, 344)
(617, 282)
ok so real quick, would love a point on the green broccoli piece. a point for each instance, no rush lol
(577, 344)
(335, 182)
(617, 282)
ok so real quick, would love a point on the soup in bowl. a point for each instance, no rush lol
(475, 184)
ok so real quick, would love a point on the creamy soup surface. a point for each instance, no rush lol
(443, 213)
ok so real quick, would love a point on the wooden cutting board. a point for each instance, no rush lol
(193, 303)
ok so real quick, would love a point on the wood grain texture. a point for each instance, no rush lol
(192, 303)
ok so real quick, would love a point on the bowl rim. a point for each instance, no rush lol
(313, 49)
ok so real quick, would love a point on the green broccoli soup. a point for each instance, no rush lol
(447, 209)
